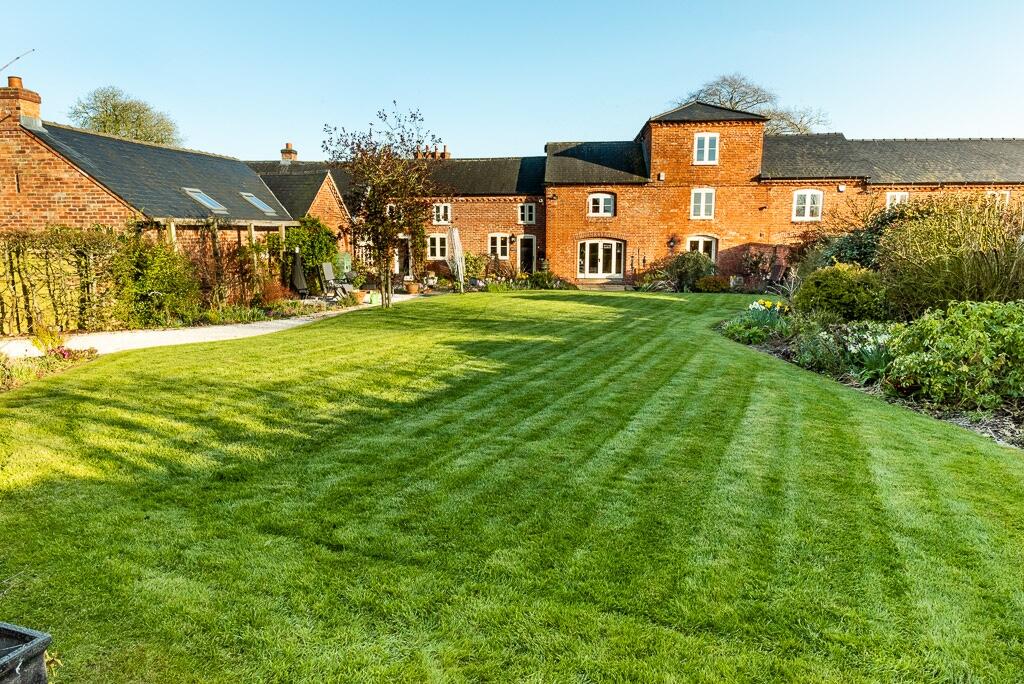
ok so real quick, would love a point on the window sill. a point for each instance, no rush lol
(697, 163)
(702, 218)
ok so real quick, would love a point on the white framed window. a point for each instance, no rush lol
(497, 245)
(807, 205)
(442, 214)
(894, 198)
(705, 148)
(528, 213)
(1000, 196)
(258, 203)
(205, 200)
(702, 203)
(704, 244)
(601, 204)
(437, 247)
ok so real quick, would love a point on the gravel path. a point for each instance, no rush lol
(110, 342)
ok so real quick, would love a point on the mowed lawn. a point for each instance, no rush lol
(543, 486)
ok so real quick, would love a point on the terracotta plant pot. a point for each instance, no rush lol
(360, 296)
(412, 288)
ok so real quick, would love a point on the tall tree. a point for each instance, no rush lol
(736, 91)
(110, 110)
(391, 187)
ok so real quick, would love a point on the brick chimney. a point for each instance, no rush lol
(289, 154)
(19, 106)
(427, 153)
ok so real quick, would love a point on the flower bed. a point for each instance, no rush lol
(964, 364)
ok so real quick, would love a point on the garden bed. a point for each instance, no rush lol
(1005, 425)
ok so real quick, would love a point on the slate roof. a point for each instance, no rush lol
(698, 112)
(491, 176)
(595, 162)
(150, 177)
(832, 155)
(944, 161)
(819, 155)
(296, 191)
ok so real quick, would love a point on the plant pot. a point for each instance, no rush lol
(412, 288)
(360, 296)
(22, 655)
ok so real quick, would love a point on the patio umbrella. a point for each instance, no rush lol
(299, 275)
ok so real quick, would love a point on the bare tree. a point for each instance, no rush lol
(110, 110)
(736, 91)
(391, 188)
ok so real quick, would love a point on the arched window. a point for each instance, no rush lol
(601, 204)
(703, 243)
(807, 205)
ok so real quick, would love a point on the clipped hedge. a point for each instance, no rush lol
(844, 292)
(970, 355)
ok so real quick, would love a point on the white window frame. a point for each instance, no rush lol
(205, 200)
(437, 247)
(527, 213)
(706, 138)
(896, 197)
(442, 214)
(808, 193)
(1002, 197)
(702, 240)
(499, 241)
(603, 209)
(698, 210)
(258, 203)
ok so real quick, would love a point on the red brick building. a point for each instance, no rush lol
(698, 177)
(52, 174)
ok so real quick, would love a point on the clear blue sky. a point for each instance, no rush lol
(503, 78)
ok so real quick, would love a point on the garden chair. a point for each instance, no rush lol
(333, 284)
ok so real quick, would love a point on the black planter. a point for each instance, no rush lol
(22, 655)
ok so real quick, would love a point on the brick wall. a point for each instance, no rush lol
(329, 207)
(478, 217)
(39, 188)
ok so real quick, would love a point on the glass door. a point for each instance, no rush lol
(601, 259)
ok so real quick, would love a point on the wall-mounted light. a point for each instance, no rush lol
(841, 187)
(672, 243)
(512, 239)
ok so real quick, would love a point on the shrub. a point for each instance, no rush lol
(475, 265)
(546, 280)
(954, 249)
(712, 283)
(763, 319)
(846, 291)
(317, 244)
(678, 273)
(48, 338)
(969, 355)
(155, 284)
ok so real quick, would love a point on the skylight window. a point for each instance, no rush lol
(258, 203)
(205, 200)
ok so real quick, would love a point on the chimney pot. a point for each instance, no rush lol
(14, 82)
(289, 154)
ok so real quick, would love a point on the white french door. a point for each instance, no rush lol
(601, 258)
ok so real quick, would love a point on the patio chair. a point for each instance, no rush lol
(333, 284)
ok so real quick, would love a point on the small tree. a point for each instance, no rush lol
(736, 91)
(110, 110)
(391, 188)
